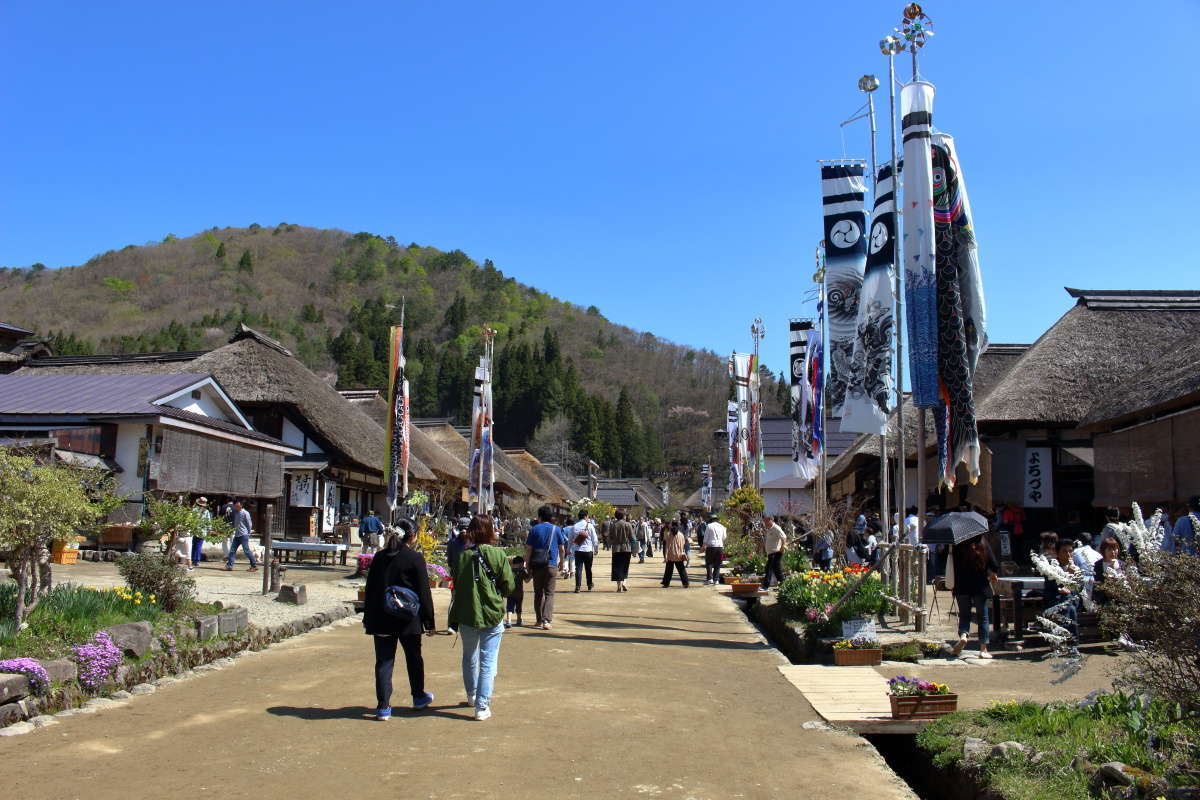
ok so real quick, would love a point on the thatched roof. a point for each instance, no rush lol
(1171, 385)
(539, 478)
(256, 370)
(1091, 353)
(567, 487)
(431, 454)
(444, 435)
(994, 364)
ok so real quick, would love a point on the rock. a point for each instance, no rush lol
(61, 670)
(816, 725)
(121, 695)
(143, 688)
(13, 687)
(224, 662)
(1010, 748)
(1039, 757)
(206, 668)
(184, 632)
(1113, 774)
(74, 712)
(42, 721)
(10, 713)
(17, 729)
(295, 593)
(100, 703)
(134, 638)
(207, 627)
(166, 681)
(976, 749)
(227, 623)
(242, 617)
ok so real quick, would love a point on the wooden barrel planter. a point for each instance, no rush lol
(858, 658)
(927, 706)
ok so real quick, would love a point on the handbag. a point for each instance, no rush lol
(401, 602)
(539, 557)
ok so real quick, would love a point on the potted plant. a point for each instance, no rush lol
(913, 698)
(861, 651)
(437, 574)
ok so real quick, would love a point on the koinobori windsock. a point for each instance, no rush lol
(961, 327)
(814, 371)
(803, 463)
(920, 278)
(843, 192)
(869, 397)
(735, 446)
(740, 367)
(399, 441)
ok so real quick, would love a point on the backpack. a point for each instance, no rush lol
(401, 602)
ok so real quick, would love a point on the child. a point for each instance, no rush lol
(513, 604)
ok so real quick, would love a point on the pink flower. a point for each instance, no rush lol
(811, 614)
(828, 607)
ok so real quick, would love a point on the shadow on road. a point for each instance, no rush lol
(314, 714)
(716, 644)
(603, 623)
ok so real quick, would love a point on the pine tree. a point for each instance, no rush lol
(629, 434)
(246, 262)
(221, 252)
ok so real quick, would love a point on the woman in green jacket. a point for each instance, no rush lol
(482, 579)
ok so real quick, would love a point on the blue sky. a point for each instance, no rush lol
(656, 159)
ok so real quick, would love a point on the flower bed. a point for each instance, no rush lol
(913, 698)
(857, 652)
(810, 596)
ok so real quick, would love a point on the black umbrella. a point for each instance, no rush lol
(955, 528)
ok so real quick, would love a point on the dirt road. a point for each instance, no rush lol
(657, 693)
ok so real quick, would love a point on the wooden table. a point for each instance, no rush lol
(1016, 589)
(322, 549)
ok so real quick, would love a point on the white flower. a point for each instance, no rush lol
(1052, 570)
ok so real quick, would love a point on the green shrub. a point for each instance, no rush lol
(157, 574)
(68, 615)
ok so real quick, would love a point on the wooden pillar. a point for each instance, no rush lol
(923, 555)
(268, 520)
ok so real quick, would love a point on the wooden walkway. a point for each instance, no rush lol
(849, 697)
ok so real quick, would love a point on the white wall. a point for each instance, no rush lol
(296, 438)
(209, 404)
(128, 435)
(775, 500)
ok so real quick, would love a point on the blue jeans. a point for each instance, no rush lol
(481, 652)
(982, 603)
(243, 542)
(197, 550)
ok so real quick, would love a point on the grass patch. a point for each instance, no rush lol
(1138, 732)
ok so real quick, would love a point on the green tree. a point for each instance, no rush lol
(221, 252)
(629, 433)
(40, 504)
(246, 262)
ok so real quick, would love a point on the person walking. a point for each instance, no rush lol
(398, 567)
(545, 548)
(639, 542)
(714, 550)
(198, 541)
(647, 538)
(622, 539)
(975, 568)
(586, 544)
(369, 529)
(243, 526)
(673, 545)
(482, 580)
(774, 542)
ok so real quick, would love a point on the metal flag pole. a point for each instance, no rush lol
(819, 277)
(890, 46)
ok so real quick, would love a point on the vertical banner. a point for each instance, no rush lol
(1039, 478)
(803, 464)
(843, 193)
(920, 280)
(706, 487)
(869, 400)
(754, 447)
(740, 365)
(731, 428)
(814, 370)
(481, 480)
(398, 422)
(962, 332)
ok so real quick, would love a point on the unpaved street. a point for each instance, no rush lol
(657, 692)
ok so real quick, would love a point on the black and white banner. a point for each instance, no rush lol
(804, 465)
(843, 193)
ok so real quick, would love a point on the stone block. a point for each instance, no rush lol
(13, 687)
(207, 627)
(100, 703)
(134, 638)
(17, 729)
(227, 623)
(295, 593)
(143, 688)
(10, 713)
(120, 695)
(242, 616)
(976, 749)
(61, 670)
(42, 721)
(183, 632)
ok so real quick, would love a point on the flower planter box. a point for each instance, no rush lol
(729, 580)
(745, 588)
(927, 706)
(362, 595)
(859, 658)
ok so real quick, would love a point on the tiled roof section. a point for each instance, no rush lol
(89, 394)
(7, 328)
(1138, 299)
(211, 422)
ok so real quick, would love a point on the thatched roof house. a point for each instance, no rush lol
(261, 375)
(1090, 354)
(541, 480)
(444, 435)
(429, 452)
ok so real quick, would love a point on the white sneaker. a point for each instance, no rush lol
(470, 700)
(482, 713)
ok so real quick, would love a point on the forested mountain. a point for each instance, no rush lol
(568, 382)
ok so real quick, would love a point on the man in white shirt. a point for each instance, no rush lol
(774, 541)
(583, 537)
(714, 550)
(911, 534)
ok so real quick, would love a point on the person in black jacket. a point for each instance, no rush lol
(975, 568)
(398, 565)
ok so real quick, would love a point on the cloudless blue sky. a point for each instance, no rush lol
(657, 159)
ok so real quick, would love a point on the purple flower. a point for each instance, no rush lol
(32, 669)
(97, 661)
